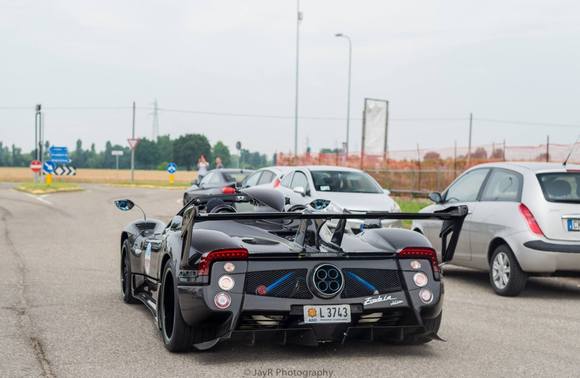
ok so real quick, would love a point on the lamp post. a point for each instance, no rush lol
(341, 35)
(298, 20)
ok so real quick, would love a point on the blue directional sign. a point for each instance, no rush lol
(171, 168)
(48, 167)
(59, 154)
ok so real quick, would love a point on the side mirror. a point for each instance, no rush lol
(127, 204)
(176, 222)
(124, 204)
(436, 197)
(300, 190)
(387, 192)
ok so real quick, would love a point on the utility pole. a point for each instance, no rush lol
(298, 20)
(155, 133)
(133, 149)
(469, 142)
(547, 149)
(38, 138)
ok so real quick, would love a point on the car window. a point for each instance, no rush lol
(286, 180)
(345, 182)
(235, 176)
(467, 187)
(266, 178)
(252, 179)
(215, 179)
(561, 186)
(503, 185)
(299, 179)
(205, 181)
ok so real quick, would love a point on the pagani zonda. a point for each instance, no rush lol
(297, 276)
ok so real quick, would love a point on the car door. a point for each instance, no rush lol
(465, 190)
(501, 195)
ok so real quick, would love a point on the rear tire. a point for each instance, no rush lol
(126, 275)
(505, 275)
(177, 335)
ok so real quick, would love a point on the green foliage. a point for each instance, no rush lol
(188, 148)
(222, 151)
(149, 154)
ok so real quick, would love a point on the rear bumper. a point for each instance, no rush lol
(547, 256)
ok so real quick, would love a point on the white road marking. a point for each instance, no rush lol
(40, 198)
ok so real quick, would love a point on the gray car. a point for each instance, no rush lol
(524, 219)
(351, 189)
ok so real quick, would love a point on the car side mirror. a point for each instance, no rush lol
(124, 204)
(436, 197)
(176, 222)
(300, 190)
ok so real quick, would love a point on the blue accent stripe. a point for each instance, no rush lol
(362, 281)
(278, 282)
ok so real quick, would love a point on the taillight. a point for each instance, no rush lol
(220, 255)
(228, 190)
(529, 217)
(421, 253)
(276, 183)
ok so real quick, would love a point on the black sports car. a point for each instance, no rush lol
(300, 277)
(217, 181)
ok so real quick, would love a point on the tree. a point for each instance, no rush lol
(165, 149)
(188, 148)
(480, 154)
(432, 156)
(147, 154)
(222, 151)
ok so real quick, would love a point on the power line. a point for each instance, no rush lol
(291, 117)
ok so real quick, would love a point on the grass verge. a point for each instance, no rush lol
(411, 205)
(55, 187)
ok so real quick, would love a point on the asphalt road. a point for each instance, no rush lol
(62, 315)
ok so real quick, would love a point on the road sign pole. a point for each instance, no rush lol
(171, 179)
(133, 149)
(117, 162)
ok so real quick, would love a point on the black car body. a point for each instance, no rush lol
(296, 276)
(216, 181)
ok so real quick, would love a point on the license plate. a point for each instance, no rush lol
(327, 314)
(574, 224)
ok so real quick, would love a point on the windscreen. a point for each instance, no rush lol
(561, 186)
(344, 181)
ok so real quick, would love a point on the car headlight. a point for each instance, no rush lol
(396, 208)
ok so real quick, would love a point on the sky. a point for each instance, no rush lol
(434, 61)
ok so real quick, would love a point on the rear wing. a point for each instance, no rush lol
(452, 219)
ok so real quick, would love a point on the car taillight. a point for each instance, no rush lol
(277, 183)
(228, 190)
(220, 255)
(421, 253)
(529, 217)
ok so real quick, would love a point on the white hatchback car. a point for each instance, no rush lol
(524, 219)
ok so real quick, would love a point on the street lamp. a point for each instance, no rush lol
(341, 35)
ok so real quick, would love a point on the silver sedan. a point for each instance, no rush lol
(524, 219)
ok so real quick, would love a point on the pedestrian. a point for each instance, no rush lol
(202, 166)
(218, 163)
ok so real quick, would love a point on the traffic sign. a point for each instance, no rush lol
(117, 152)
(48, 167)
(36, 166)
(65, 170)
(59, 154)
(171, 168)
(133, 142)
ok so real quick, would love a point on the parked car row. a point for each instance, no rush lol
(523, 220)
